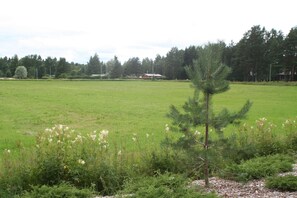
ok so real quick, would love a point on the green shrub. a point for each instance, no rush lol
(164, 185)
(258, 168)
(57, 191)
(282, 183)
(16, 175)
(290, 127)
(21, 72)
(62, 155)
(261, 139)
(165, 160)
(263, 136)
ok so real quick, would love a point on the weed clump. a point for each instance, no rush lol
(163, 185)
(258, 168)
(62, 155)
(282, 183)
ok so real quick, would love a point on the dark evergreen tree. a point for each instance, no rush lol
(50, 65)
(132, 67)
(273, 55)
(116, 70)
(174, 63)
(208, 77)
(63, 68)
(3, 66)
(147, 66)
(13, 63)
(159, 65)
(290, 55)
(34, 65)
(94, 65)
(190, 55)
(251, 54)
(229, 58)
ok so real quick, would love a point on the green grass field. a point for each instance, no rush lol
(122, 107)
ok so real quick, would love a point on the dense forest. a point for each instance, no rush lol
(260, 55)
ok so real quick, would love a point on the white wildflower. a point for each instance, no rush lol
(134, 139)
(167, 128)
(50, 140)
(119, 153)
(93, 137)
(82, 162)
(103, 134)
(48, 130)
(78, 138)
(147, 135)
(60, 126)
(7, 150)
(197, 133)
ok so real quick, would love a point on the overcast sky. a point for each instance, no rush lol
(77, 29)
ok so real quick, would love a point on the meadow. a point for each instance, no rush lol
(123, 108)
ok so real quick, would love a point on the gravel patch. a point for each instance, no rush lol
(231, 189)
(252, 189)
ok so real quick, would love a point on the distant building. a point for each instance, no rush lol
(286, 75)
(99, 75)
(151, 76)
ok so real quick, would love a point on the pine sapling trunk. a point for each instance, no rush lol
(206, 141)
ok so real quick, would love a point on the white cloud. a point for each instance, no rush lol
(132, 28)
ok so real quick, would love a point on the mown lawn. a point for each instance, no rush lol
(122, 107)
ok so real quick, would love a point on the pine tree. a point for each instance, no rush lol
(208, 77)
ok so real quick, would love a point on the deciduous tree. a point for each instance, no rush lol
(20, 72)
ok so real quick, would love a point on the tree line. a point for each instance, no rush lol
(260, 55)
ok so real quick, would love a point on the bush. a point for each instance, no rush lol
(259, 167)
(57, 191)
(166, 160)
(62, 155)
(163, 185)
(290, 128)
(261, 139)
(16, 175)
(282, 183)
(21, 72)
